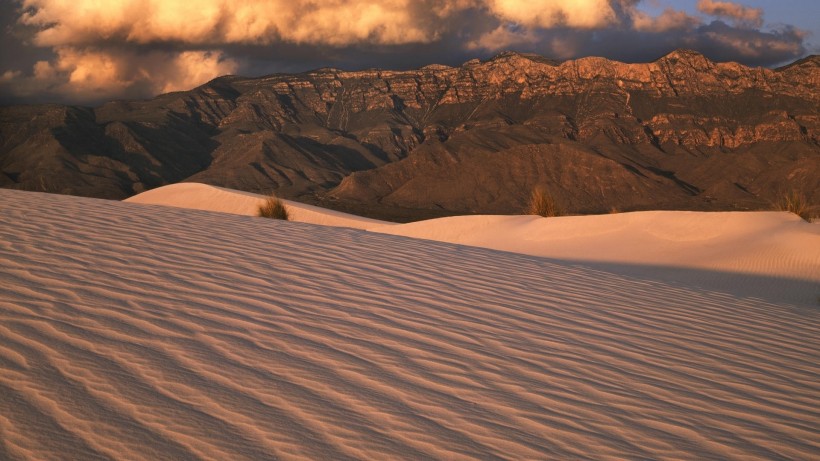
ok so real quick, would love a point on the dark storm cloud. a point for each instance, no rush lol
(750, 46)
(717, 40)
(86, 51)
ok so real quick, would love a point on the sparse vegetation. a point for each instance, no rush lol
(273, 208)
(542, 203)
(797, 202)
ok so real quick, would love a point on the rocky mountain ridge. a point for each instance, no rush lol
(680, 132)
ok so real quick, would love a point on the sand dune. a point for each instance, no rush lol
(197, 196)
(773, 255)
(778, 246)
(144, 332)
(771, 243)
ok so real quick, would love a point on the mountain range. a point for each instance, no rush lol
(681, 132)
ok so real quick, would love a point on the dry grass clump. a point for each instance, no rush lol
(796, 202)
(273, 208)
(542, 203)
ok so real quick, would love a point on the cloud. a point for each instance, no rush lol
(191, 68)
(669, 20)
(503, 37)
(336, 23)
(89, 50)
(753, 47)
(752, 17)
(585, 14)
(84, 74)
(10, 75)
(207, 22)
(564, 46)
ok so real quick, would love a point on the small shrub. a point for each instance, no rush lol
(798, 203)
(273, 208)
(542, 203)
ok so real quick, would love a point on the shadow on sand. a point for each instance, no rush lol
(803, 293)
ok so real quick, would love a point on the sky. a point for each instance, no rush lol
(89, 51)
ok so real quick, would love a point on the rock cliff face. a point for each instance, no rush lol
(680, 132)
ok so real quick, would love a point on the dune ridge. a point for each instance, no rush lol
(774, 244)
(148, 332)
(198, 196)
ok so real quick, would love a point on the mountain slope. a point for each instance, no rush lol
(680, 132)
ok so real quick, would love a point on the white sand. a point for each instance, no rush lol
(772, 243)
(197, 196)
(776, 245)
(777, 252)
(146, 332)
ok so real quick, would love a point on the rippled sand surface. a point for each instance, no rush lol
(144, 332)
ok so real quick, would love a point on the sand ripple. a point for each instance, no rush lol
(142, 332)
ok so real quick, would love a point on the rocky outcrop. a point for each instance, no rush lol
(393, 137)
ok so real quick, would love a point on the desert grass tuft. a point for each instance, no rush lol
(273, 208)
(542, 203)
(797, 202)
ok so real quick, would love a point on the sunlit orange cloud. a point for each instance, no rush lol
(332, 22)
(737, 12)
(668, 20)
(530, 16)
(329, 22)
(549, 13)
(501, 38)
(82, 32)
(85, 73)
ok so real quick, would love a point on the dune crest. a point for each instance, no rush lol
(775, 244)
(197, 196)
